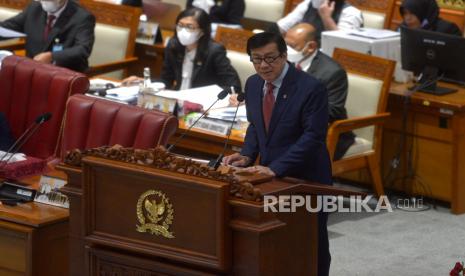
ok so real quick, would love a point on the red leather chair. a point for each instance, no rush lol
(28, 89)
(92, 122)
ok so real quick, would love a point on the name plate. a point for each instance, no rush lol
(152, 101)
(49, 192)
(220, 128)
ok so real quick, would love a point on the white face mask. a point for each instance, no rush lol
(50, 6)
(317, 3)
(186, 37)
(293, 55)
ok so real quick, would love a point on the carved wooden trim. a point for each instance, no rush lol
(452, 4)
(233, 39)
(160, 158)
(14, 4)
(362, 64)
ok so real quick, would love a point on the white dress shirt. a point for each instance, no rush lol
(187, 68)
(306, 63)
(351, 17)
(277, 82)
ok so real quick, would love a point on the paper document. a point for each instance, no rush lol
(7, 33)
(202, 95)
(125, 93)
(227, 113)
(15, 158)
(374, 33)
(99, 81)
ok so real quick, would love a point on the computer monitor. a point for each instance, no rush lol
(437, 56)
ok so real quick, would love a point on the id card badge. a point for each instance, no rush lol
(57, 46)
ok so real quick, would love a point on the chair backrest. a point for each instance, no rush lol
(162, 13)
(28, 89)
(115, 32)
(93, 122)
(376, 13)
(10, 8)
(235, 42)
(271, 10)
(369, 82)
(180, 3)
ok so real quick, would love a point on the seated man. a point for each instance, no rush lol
(324, 15)
(302, 50)
(58, 31)
(225, 12)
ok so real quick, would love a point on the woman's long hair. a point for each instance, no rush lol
(204, 22)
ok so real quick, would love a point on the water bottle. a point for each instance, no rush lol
(147, 78)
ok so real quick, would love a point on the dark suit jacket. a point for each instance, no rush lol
(6, 139)
(211, 66)
(444, 26)
(74, 29)
(296, 143)
(226, 11)
(135, 3)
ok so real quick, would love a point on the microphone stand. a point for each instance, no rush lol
(24, 138)
(215, 163)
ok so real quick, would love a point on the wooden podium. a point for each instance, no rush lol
(182, 219)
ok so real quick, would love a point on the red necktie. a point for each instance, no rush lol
(298, 67)
(268, 104)
(48, 27)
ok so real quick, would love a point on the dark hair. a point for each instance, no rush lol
(427, 11)
(261, 39)
(204, 22)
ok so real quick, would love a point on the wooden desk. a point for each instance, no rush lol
(150, 56)
(203, 144)
(33, 239)
(435, 133)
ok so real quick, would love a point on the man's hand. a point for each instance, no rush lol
(45, 57)
(236, 160)
(260, 169)
(326, 9)
(132, 80)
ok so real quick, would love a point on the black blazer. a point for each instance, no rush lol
(334, 77)
(226, 11)
(135, 3)
(6, 138)
(74, 29)
(444, 26)
(211, 66)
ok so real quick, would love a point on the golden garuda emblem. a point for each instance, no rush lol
(155, 214)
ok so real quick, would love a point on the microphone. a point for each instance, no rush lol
(25, 137)
(220, 96)
(215, 163)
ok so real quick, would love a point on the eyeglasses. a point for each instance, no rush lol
(268, 60)
(188, 27)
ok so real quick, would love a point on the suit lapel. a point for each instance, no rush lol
(315, 63)
(286, 92)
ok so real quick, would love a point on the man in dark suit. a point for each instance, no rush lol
(222, 11)
(287, 111)
(58, 31)
(302, 50)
